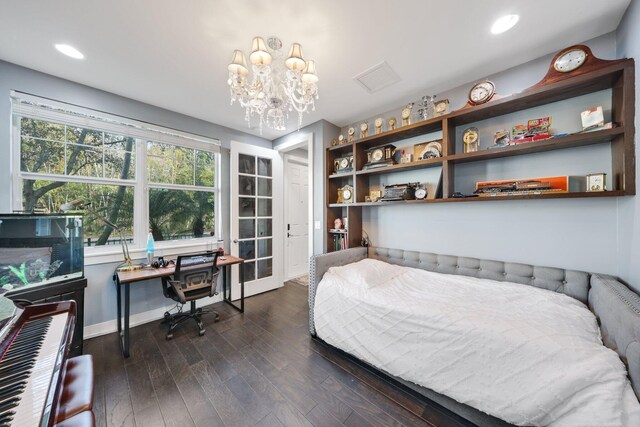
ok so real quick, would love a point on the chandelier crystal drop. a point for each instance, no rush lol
(275, 86)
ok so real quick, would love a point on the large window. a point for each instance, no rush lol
(141, 178)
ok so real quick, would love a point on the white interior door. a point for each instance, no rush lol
(296, 217)
(256, 199)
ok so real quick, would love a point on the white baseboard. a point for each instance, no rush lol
(110, 326)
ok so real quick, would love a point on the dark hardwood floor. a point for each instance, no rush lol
(258, 368)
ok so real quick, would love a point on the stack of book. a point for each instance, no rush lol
(340, 239)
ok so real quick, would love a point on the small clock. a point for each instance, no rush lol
(597, 182)
(343, 164)
(481, 92)
(351, 134)
(380, 156)
(341, 139)
(334, 142)
(570, 60)
(345, 194)
(378, 125)
(364, 129)
(392, 123)
(421, 192)
(471, 140)
(441, 107)
(406, 114)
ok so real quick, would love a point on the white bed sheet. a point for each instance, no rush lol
(526, 355)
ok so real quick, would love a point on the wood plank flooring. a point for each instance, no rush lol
(258, 368)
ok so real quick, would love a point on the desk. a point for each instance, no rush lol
(125, 278)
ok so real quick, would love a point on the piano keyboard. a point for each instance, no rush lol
(26, 371)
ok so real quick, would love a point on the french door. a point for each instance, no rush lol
(256, 212)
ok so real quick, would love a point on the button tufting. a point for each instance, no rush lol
(504, 274)
(564, 281)
(533, 278)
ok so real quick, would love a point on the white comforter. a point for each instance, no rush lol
(526, 355)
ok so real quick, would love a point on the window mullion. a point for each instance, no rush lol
(141, 197)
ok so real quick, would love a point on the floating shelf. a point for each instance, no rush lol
(419, 164)
(572, 195)
(559, 143)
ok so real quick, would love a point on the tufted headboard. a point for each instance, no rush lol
(616, 307)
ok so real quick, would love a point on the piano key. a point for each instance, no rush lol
(33, 399)
(15, 378)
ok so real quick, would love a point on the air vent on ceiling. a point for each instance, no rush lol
(377, 77)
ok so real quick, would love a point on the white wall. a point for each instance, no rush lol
(100, 295)
(571, 233)
(628, 45)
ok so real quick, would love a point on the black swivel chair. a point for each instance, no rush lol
(195, 277)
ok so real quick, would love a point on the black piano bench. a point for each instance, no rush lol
(76, 396)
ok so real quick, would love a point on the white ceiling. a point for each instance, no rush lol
(175, 54)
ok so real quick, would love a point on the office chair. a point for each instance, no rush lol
(195, 277)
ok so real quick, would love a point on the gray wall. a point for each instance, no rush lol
(628, 45)
(571, 233)
(323, 132)
(100, 294)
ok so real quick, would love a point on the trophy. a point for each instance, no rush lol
(427, 107)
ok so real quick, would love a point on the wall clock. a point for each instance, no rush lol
(341, 139)
(482, 92)
(392, 123)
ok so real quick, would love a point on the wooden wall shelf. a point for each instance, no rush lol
(559, 143)
(617, 76)
(419, 164)
(572, 195)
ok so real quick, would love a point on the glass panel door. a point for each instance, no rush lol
(254, 213)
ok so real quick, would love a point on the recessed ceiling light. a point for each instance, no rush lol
(69, 51)
(504, 24)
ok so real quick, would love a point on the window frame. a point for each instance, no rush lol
(53, 111)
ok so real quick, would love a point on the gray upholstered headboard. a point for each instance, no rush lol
(616, 307)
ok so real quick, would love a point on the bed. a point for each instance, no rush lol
(615, 306)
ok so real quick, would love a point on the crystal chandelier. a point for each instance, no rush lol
(278, 85)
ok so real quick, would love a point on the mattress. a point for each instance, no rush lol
(526, 355)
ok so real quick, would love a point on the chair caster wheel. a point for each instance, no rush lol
(169, 337)
(201, 333)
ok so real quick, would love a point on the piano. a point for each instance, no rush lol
(39, 385)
